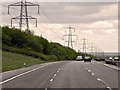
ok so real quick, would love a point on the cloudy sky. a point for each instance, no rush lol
(95, 21)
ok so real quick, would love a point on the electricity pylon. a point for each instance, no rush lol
(70, 36)
(92, 49)
(84, 43)
(23, 17)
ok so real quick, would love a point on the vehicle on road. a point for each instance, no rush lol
(115, 61)
(109, 60)
(97, 59)
(102, 59)
(87, 59)
(79, 58)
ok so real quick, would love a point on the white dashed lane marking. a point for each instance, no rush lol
(97, 78)
(93, 74)
(51, 80)
(89, 71)
(55, 75)
(57, 71)
(46, 88)
(109, 88)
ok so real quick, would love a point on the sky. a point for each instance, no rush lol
(95, 21)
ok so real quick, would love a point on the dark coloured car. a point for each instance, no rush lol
(97, 59)
(109, 60)
(87, 59)
(115, 61)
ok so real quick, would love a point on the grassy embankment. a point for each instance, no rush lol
(12, 61)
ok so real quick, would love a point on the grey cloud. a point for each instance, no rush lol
(75, 13)
(80, 14)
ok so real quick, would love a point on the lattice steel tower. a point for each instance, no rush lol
(84, 48)
(70, 36)
(23, 17)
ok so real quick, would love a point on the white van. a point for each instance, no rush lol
(79, 58)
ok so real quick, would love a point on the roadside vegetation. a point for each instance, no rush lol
(12, 61)
(26, 43)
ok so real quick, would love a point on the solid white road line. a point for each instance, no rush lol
(19, 75)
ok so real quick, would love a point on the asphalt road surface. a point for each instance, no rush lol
(63, 74)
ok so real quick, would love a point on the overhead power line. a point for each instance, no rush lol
(51, 21)
(47, 17)
(50, 27)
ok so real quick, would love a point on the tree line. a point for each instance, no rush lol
(24, 42)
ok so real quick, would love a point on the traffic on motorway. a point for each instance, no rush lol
(109, 60)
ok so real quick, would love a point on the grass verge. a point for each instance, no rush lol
(11, 61)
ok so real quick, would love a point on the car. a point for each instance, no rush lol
(79, 58)
(97, 59)
(109, 60)
(115, 60)
(87, 59)
(102, 59)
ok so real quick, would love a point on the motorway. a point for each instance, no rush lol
(63, 74)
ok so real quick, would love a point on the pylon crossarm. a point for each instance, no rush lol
(70, 28)
(18, 17)
(65, 35)
(32, 4)
(15, 4)
(30, 17)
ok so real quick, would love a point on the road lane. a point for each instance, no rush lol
(74, 75)
(68, 74)
(37, 79)
(9, 74)
(107, 74)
